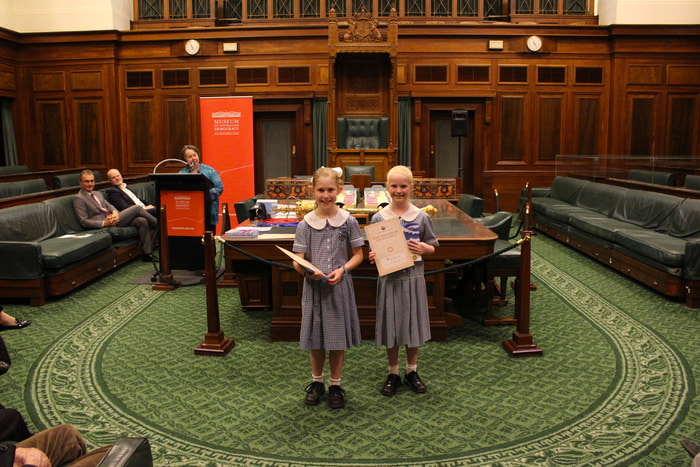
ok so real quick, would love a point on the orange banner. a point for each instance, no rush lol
(185, 211)
(227, 146)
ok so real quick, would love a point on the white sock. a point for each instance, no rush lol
(411, 368)
(394, 369)
(335, 382)
(317, 379)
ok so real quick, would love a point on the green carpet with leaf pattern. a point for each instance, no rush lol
(615, 386)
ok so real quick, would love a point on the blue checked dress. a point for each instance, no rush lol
(329, 313)
(402, 299)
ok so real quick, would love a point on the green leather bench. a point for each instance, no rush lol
(46, 252)
(652, 237)
(22, 187)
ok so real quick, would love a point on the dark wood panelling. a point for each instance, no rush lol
(512, 136)
(642, 126)
(54, 81)
(86, 80)
(140, 118)
(587, 124)
(645, 74)
(605, 70)
(550, 111)
(178, 111)
(51, 119)
(682, 111)
(90, 138)
(7, 80)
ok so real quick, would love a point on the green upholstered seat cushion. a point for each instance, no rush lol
(692, 182)
(600, 225)
(685, 219)
(22, 187)
(121, 233)
(65, 214)
(29, 222)
(665, 249)
(62, 251)
(652, 176)
(567, 189)
(555, 209)
(13, 169)
(647, 209)
(601, 197)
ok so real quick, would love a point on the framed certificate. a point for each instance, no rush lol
(387, 240)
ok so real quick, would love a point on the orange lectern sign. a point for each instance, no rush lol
(185, 212)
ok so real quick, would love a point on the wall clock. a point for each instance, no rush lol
(534, 43)
(192, 47)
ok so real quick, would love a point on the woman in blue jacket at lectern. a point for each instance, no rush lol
(191, 155)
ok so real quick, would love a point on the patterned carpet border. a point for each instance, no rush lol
(645, 399)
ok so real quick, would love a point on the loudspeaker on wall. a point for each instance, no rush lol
(460, 122)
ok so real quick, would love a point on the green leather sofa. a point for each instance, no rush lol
(46, 252)
(22, 187)
(652, 237)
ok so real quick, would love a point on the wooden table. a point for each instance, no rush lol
(262, 286)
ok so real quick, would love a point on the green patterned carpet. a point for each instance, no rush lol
(616, 384)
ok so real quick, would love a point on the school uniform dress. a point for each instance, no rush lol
(402, 299)
(329, 313)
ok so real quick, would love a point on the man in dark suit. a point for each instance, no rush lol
(122, 197)
(94, 212)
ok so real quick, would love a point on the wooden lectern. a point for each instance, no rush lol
(187, 201)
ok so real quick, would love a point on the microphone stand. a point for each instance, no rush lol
(168, 160)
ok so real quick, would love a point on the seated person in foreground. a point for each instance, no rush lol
(55, 446)
(94, 212)
(121, 197)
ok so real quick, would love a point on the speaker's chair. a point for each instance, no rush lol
(363, 133)
(351, 170)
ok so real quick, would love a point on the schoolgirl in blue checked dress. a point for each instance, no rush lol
(402, 299)
(331, 240)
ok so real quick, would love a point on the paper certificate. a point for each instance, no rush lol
(387, 240)
(304, 263)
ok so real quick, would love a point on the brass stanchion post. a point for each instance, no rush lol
(522, 344)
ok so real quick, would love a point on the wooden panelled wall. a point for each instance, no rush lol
(130, 99)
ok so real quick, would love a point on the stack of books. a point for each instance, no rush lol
(242, 232)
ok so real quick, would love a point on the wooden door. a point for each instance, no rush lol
(275, 147)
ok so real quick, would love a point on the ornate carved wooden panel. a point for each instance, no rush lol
(363, 85)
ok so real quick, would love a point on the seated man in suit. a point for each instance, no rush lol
(94, 212)
(121, 197)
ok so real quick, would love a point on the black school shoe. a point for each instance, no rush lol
(314, 392)
(391, 385)
(414, 382)
(336, 397)
(19, 324)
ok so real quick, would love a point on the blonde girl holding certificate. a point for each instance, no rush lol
(402, 300)
(331, 240)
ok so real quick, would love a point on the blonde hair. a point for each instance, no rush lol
(326, 172)
(400, 170)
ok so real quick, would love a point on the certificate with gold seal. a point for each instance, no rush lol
(387, 240)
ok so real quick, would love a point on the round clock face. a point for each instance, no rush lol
(534, 43)
(192, 47)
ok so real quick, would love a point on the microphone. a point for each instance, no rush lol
(191, 165)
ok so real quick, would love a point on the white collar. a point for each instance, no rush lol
(409, 216)
(320, 222)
